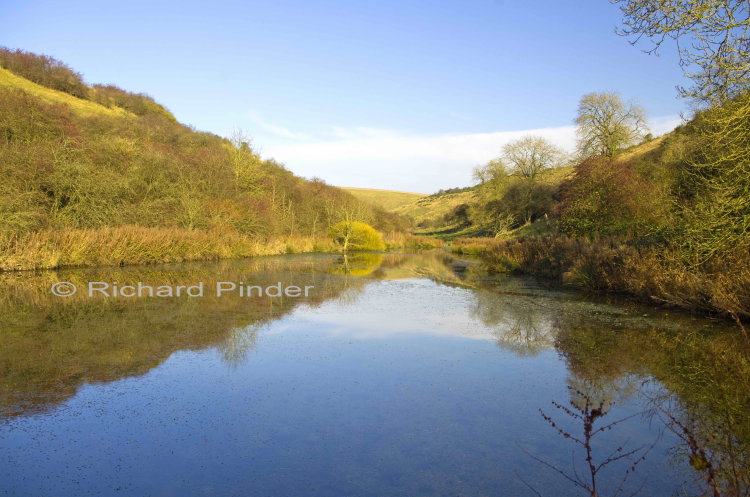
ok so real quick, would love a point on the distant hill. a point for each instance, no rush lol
(386, 199)
(434, 207)
(420, 207)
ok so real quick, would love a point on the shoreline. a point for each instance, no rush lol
(611, 267)
(141, 246)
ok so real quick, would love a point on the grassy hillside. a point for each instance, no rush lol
(421, 208)
(82, 107)
(80, 164)
(460, 214)
(434, 207)
(431, 211)
(385, 199)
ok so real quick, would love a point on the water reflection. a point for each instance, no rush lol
(51, 345)
(521, 324)
(595, 464)
(693, 384)
(432, 375)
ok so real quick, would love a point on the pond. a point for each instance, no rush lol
(397, 374)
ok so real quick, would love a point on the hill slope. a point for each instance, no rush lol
(387, 199)
(101, 158)
(420, 207)
(434, 207)
(8, 80)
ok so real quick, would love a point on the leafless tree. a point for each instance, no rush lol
(712, 37)
(531, 155)
(606, 124)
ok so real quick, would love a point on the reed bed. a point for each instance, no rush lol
(134, 245)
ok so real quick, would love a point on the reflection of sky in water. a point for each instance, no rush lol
(403, 306)
(435, 309)
(399, 388)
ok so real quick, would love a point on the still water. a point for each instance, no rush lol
(398, 375)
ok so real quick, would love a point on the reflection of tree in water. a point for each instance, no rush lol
(235, 347)
(49, 347)
(695, 385)
(358, 264)
(352, 267)
(520, 324)
(595, 470)
(604, 393)
(707, 406)
(711, 445)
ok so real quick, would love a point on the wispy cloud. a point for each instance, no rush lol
(392, 159)
(275, 129)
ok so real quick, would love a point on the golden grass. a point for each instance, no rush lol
(397, 240)
(386, 199)
(78, 105)
(427, 208)
(641, 149)
(136, 245)
(131, 245)
(556, 175)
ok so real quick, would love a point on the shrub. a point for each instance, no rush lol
(139, 104)
(43, 70)
(354, 235)
(607, 197)
(653, 274)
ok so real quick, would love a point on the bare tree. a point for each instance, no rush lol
(531, 155)
(528, 157)
(712, 36)
(242, 155)
(606, 124)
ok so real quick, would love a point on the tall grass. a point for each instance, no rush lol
(137, 245)
(608, 265)
(128, 245)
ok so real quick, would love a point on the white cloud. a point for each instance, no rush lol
(664, 124)
(390, 159)
(274, 129)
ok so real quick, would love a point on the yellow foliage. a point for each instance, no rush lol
(354, 235)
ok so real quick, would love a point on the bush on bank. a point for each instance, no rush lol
(611, 265)
(355, 235)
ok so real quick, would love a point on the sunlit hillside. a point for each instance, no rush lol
(51, 96)
(81, 164)
(386, 199)
(434, 207)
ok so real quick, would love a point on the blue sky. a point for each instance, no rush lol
(389, 94)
